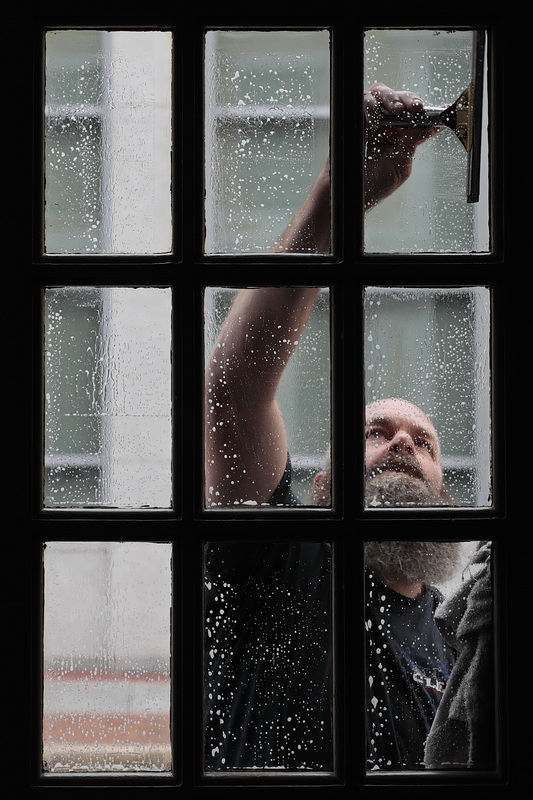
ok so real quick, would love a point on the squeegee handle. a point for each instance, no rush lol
(429, 117)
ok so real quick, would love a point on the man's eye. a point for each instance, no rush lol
(423, 443)
(373, 433)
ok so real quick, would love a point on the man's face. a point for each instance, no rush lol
(401, 440)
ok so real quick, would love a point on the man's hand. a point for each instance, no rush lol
(389, 151)
(388, 162)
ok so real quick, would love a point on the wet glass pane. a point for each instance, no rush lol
(430, 700)
(268, 657)
(107, 141)
(266, 135)
(428, 396)
(106, 657)
(425, 210)
(107, 397)
(267, 391)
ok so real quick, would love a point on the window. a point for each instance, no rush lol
(107, 139)
(106, 694)
(269, 688)
(432, 347)
(428, 213)
(125, 324)
(303, 395)
(108, 367)
(267, 130)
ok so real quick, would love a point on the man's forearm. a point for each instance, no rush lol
(258, 337)
(310, 229)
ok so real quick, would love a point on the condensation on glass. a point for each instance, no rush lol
(108, 142)
(303, 398)
(267, 112)
(107, 413)
(268, 699)
(429, 656)
(429, 213)
(431, 348)
(106, 687)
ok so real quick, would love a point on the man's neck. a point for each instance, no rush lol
(404, 586)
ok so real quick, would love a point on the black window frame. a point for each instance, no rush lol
(188, 525)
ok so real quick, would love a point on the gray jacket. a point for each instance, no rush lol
(463, 731)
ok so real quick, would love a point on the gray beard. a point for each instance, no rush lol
(399, 489)
(428, 562)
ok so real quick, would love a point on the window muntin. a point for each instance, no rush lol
(431, 347)
(108, 142)
(107, 397)
(267, 111)
(429, 213)
(106, 691)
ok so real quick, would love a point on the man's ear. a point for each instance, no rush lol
(321, 488)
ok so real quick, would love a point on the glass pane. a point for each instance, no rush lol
(107, 140)
(428, 395)
(268, 675)
(429, 656)
(107, 657)
(267, 135)
(267, 397)
(428, 212)
(107, 397)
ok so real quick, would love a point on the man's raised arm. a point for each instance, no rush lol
(310, 229)
(245, 439)
(388, 163)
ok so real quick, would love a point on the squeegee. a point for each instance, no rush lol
(463, 117)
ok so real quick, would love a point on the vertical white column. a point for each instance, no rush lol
(136, 158)
(136, 431)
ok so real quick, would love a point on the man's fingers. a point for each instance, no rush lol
(382, 98)
(410, 101)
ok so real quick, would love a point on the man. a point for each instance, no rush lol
(248, 720)
(246, 444)
(408, 661)
(247, 458)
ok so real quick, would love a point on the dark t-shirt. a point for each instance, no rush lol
(408, 665)
(268, 695)
(284, 495)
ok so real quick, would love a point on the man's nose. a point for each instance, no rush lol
(402, 443)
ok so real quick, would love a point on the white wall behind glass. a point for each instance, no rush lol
(108, 141)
